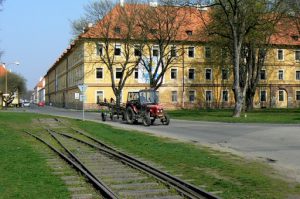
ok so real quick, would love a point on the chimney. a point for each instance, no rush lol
(122, 3)
(153, 3)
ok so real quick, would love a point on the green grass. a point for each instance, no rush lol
(24, 173)
(234, 176)
(23, 170)
(280, 116)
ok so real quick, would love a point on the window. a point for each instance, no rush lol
(155, 50)
(136, 73)
(189, 32)
(224, 74)
(118, 49)
(297, 75)
(281, 95)
(225, 96)
(174, 73)
(280, 74)
(137, 51)
(174, 96)
(173, 51)
(191, 73)
(297, 55)
(298, 95)
(208, 74)
(192, 96)
(99, 96)
(99, 49)
(118, 73)
(280, 54)
(263, 96)
(117, 30)
(207, 52)
(191, 51)
(99, 73)
(262, 75)
(208, 96)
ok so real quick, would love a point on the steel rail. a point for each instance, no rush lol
(105, 191)
(185, 188)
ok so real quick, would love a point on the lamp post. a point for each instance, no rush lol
(6, 71)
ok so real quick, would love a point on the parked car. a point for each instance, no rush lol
(26, 104)
(41, 104)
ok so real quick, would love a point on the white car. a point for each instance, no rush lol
(26, 104)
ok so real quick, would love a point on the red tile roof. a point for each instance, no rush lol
(287, 33)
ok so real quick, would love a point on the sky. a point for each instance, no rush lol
(35, 33)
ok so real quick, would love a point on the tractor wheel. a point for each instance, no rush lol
(130, 115)
(103, 117)
(152, 121)
(146, 120)
(165, 120)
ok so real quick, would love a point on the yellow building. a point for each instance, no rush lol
(194, 80)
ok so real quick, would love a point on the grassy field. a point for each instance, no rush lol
(24, 174)
(281, 116)
(23, 170)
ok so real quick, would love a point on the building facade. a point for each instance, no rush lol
(195, 80)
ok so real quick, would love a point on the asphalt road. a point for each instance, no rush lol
(278, 145)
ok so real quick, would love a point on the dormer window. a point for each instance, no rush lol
(295, 37)
(189, 32)
(117, 30)
(153, 31)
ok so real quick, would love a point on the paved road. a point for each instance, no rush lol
(280, 144)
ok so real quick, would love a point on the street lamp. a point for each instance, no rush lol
(6, 70)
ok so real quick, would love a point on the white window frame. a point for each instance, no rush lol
(227, 95)
(297, 60)
(194, 51)
(97, 95)
(296, 95)
(155, 47)
(296, 75)
(97, 49)
(266, 96)
(173, 46)
(102, 73)
(172, 96)
(282, 74)
(194, 96)
(136, 70)
(265, 74)
(282, 54)
(116, 72)
(211, 74)
(283, 91)
(211, 100)
(119, 47)
(189, 73)
(205, 51)
(227, 73)
(176, 74)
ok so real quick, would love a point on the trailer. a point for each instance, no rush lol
(112, 110)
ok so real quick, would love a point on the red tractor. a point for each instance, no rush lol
(144, 105)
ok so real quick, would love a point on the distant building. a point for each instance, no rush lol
(39, 91)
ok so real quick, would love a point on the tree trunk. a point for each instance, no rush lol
(250, 99)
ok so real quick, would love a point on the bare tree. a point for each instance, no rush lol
(94, 12)
(238, 22)
(160, 30)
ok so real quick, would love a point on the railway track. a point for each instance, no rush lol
(113, 173)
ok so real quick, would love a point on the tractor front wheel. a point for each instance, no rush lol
(130, 115)
(146, 120)
(165, 120)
